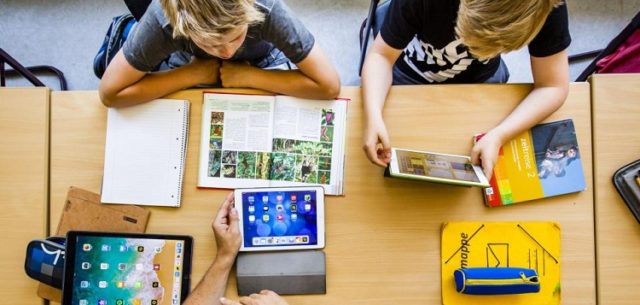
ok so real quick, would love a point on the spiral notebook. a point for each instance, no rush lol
(145, 153)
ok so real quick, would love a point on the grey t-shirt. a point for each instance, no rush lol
(151, 41)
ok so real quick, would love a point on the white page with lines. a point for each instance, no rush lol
(145, 153)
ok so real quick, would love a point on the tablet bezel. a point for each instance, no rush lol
(319, 221)
(70, 255)
(395, 171)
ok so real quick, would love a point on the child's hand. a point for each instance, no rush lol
(235, 74)
(265, 297)
(486, 151)
(226, 230)
(205, 71)
(376, 143)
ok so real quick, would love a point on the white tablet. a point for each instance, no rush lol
(436, 167)
(282, 218)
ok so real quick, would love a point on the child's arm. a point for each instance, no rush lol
(377, 77)
(316, 78)
(551, 86)
(123, 85)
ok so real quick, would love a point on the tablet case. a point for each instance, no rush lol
(287, 272)
(83, 211)
(628, 186)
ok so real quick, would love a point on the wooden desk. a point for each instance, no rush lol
(383, 237)
(24, 176)
(616, 109)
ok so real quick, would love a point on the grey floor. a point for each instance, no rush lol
(67, 33)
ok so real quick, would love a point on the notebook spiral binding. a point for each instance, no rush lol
(185, 143)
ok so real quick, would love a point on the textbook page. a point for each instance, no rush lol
(145, 153)
(308, 143)
(259, 141)
(236, 133)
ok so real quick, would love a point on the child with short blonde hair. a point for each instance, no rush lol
(460, 41)
(235, 43)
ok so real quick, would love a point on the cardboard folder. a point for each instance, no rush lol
(84, 212)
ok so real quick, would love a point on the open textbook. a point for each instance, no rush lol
(262, 141)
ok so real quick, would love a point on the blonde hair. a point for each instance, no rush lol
(491, 27)
(209, 20)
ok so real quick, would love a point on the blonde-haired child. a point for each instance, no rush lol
(237, 43)
(460, 41)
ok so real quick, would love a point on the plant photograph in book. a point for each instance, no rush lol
(263, 165)
(215, 137)
(246, 167)
(327, 117)
(217, 118)
(326, 134)
(306, 169)
(214, 163)
(283, 166)
(324, 177)
(228, 171)
(324, 163)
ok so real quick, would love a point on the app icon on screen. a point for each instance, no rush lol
(251, 199)
(265, 198)
(120, 284)
(85, 265)
(279, 217)
(86, 247)
(104, 266)
(83, 302)
(307, 197)
(119, 302)
(294, 198)
(279, 208)
(157, 250)
(307, 207)
(137, 285)
(122, 266)
(252, 208)
(279, 198)
(105, 248)
(102, 284)
(156, 267)
(252, 218)
(123, 248)
(84, 284)
(155, 284)
(154, 302)
(140, 249)
(265, 217)
(294, 217)
(102, 302)
(265, 207)
(294, 207)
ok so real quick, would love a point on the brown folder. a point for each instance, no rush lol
(84, 212)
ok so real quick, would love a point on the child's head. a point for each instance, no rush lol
(491, 27)
(218, 27)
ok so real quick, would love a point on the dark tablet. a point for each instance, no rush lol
(627, 183)
(123, 268)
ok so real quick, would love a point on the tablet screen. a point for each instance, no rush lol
(280, 218)
(435, 165)
(127, 270)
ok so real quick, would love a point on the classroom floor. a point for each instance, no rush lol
(67, 34)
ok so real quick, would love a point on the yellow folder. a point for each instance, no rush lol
(533, 245)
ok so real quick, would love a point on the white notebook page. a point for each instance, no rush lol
(145, 152)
